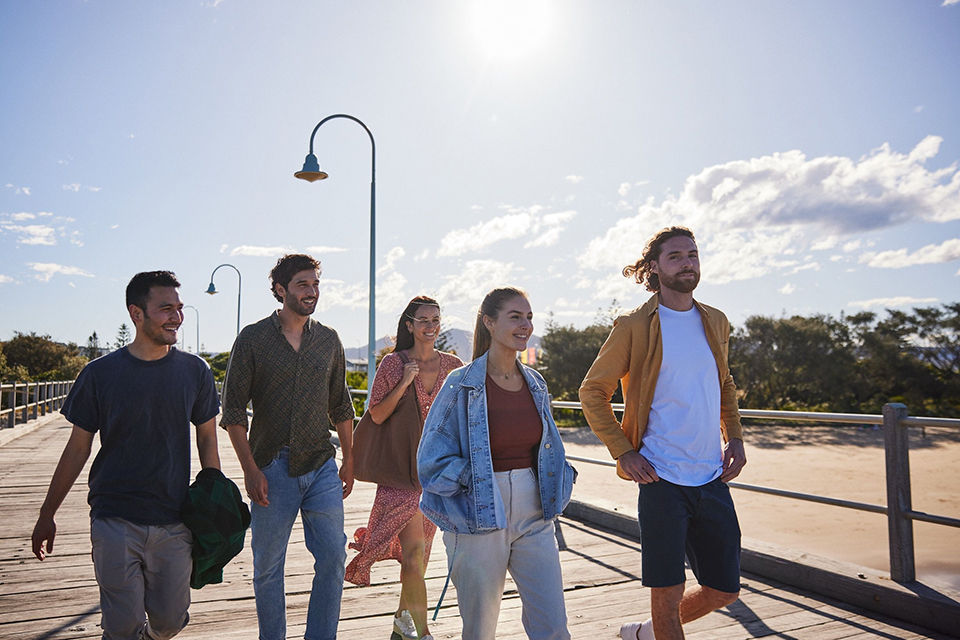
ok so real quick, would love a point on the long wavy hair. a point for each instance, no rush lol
(490, 307)
(404, 336)
(642, 269)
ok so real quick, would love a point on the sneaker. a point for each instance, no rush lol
(404, 628)
(636, 631)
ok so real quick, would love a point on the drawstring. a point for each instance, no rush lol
(446, 583)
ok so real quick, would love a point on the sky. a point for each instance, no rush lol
(813, 148)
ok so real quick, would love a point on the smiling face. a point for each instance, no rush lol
(678, 266)
(301, 293)
(425, 325)
(161, 318)
(513, 326)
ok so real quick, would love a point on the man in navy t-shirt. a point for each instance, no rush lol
(141, 399)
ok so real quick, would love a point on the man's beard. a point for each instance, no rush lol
(681, 285)
(301, 309)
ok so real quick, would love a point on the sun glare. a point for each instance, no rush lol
(510, 28)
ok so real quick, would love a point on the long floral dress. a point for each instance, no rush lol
(393, 508)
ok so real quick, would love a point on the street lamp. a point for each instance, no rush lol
(311, 173)
(197, 311)
(212, 290)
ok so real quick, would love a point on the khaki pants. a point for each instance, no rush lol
(527, 548)
(144, 576)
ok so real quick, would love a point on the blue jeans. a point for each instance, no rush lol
(318, 496)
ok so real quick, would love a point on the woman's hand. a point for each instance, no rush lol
(410, 371)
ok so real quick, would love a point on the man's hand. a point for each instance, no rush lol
(256, 484)
(733, 459)
(637, 467)
(346, 475)
(44, 531)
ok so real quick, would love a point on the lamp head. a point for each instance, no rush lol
(211, 289)
(311, 170)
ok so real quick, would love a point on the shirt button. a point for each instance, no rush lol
(546, 446)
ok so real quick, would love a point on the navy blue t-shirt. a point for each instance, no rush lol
(143, 410)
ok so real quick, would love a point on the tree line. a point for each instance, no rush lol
(854, 363)
(851, 363)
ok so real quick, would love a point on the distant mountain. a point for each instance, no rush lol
(459, 341)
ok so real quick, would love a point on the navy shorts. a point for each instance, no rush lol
(699, 522)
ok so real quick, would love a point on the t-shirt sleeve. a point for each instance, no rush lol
(388, 375)
(81, 407)
(207, 405)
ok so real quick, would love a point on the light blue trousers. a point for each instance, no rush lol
(318, 497)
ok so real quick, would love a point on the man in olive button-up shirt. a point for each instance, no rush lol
(293, 370)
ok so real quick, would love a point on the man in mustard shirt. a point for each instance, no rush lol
(680, 438)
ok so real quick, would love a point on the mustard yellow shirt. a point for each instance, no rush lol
(632, 354)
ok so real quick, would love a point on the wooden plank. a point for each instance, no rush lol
(57, 600)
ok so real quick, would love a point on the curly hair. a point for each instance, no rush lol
(287, 267)
(642, 269)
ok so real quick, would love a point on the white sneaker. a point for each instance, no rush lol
(637, 631)
(403, 626)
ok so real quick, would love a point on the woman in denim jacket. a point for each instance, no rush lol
(494, 477)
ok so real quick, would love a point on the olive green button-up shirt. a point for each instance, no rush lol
(298, 396)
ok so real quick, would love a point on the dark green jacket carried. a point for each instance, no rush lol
(218, 518)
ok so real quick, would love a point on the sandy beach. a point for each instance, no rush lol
(835, 461)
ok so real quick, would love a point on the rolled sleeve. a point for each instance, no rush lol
(341, 405)
(237, 385)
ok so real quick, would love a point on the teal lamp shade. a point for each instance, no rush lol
(311, 170)
(211, 289)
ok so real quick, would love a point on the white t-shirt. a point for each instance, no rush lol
(683, 440)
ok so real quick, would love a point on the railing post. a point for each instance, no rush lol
(12, 420)
(899, 526)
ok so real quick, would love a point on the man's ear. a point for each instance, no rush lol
(280, 290)
(136, 314)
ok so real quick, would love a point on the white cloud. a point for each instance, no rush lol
(918, 108)
(322, 249)
(476, 278)
(32, 234)
(94, 189)
(20, 191)
(898, 301)
(574, 179)
(46, 270)
(623, 189)
(809, 266)
(853, 245)
(75, 187)
(390, 260)
(947, 3)
(752, 216)
(517, 223)
(899, 258)
(5, 279)
(117, 226)
(259, 252)
(787, 289)
(423, 255)
(21, 217)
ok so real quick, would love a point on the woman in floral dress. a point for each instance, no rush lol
(396, 528)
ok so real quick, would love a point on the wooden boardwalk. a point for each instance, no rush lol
(57, 599)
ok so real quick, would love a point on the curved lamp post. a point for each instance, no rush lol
(197, 311)
(212, 290)
(311, 173)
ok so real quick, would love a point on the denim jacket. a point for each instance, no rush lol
(460, 492)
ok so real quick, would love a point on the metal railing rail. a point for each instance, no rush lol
(899, 511)
(23, 401)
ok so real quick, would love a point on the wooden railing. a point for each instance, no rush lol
(24, 401)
